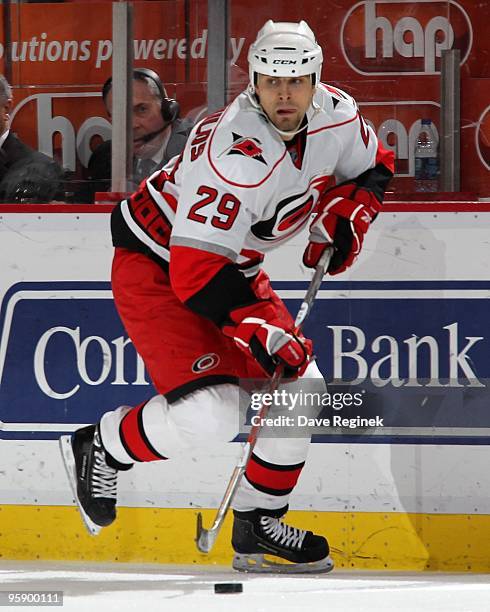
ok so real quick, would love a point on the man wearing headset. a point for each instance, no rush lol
(188, 285)
(158, 132)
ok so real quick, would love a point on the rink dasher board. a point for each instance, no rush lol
(411, 493)
(59, 261)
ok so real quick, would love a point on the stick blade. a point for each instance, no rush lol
(204, 538)
(201, 535)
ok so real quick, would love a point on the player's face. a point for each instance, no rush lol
(285, 100)
(147, 118)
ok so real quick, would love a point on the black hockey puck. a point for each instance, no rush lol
(228, 587)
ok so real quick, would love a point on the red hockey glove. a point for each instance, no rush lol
(258, 331)
(344, 214)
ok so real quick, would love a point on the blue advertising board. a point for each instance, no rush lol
(419, 351)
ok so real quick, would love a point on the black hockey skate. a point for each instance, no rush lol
(92, 480)
(261, 532)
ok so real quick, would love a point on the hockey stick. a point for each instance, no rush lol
(205, 538)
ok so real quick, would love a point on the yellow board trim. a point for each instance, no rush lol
(359, 540)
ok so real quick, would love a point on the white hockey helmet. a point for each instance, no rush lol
(285, 49)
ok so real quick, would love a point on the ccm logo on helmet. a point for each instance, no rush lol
(284, 61)
(206, 362)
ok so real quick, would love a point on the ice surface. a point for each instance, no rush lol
(148, 588)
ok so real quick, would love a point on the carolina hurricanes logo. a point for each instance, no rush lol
(290, 215)
(206, 362)
(249, 147)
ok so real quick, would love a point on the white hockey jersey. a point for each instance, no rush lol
(235, 191)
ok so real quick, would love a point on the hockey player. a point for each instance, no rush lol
(187, 284)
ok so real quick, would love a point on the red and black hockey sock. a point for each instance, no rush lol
(134, 438)
(272, 478)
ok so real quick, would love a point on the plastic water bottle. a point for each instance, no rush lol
(426, 159)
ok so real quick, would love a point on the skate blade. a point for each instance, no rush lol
(260, 564)
(69, 463)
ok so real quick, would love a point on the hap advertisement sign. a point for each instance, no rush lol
(393, 37)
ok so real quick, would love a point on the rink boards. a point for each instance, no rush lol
(409, 322)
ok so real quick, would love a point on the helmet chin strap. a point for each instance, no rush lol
(253, 99)
(291, 133)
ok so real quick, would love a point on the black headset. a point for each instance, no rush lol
(170, 108)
